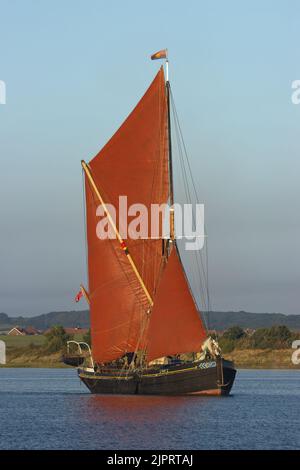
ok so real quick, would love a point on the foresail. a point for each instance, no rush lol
(175, 324)
(133, 163)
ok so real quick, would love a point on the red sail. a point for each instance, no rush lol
(175, 325)
(133, 163)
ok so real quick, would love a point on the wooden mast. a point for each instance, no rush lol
(171, 183)
(168, 88)
(113, 225)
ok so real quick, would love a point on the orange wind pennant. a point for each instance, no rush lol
(160, 55)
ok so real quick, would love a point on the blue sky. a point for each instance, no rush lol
(74, 70)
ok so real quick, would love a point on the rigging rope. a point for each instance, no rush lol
(199, 266)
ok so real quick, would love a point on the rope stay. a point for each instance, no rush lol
(198, 265)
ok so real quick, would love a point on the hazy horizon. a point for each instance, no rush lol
(74, 71)
(27, 315)
(212, 311)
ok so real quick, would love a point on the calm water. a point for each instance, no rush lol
(50, 409)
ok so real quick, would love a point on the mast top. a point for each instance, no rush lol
(167, 70)
(163, 54)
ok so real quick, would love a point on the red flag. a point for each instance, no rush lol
(78, 296)
(159, 55)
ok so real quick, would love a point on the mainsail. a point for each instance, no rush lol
(134, 163)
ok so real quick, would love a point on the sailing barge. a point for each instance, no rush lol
(147, 334)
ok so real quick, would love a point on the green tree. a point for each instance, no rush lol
(56, 339)
(276, 337)
(227, 345)
(87, 338)
(232, 338)
(234, 333)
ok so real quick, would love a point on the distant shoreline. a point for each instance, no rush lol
(214, 320)
(36, 366)
(263, 359)
(31, 352)
(244, 359)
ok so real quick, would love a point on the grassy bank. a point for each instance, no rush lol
(34, 356)
(262, 358)
(25, 359)
(244, 359)
(247, 352)
(31, 351)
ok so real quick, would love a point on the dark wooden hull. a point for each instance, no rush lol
(74, 361)
(202, 378)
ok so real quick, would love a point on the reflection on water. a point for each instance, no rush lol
(56, 412)
(135, 408)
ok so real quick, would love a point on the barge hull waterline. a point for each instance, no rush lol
(193, 381)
